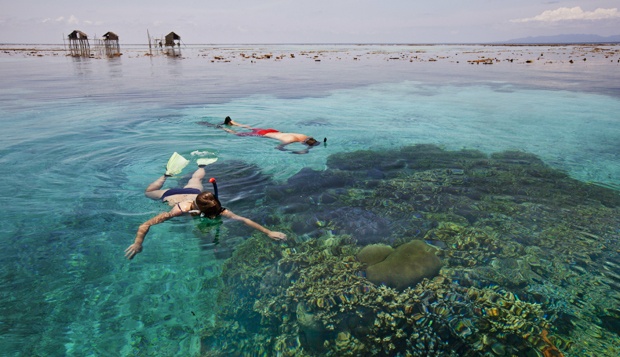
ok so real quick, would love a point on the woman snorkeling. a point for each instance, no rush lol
(191, 200)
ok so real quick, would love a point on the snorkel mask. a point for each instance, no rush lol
(215, 194)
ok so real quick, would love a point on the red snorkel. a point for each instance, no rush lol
(214, 183)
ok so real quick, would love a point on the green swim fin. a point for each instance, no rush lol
(206, 161)
(176, 164)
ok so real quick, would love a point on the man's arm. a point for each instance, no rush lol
(250, 223)
(281, 146)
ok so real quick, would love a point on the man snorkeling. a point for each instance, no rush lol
(191, 200)
(284, 138)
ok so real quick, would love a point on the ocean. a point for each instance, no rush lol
(83, 137)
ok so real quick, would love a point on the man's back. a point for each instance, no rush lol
(287, 138)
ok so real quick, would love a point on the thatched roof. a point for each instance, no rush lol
(78, 35)
(110, 36)
(171, 37)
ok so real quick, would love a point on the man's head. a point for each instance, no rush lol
(311, 141)
(208, 204)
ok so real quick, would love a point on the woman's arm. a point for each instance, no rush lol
(250, 223)
(232, 122)
(136, 247)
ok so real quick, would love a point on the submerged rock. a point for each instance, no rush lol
(308, 180)
(312, 332)
(366, 226)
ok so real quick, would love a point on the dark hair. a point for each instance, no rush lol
(227, 121)
(208, 204)
(311, 141)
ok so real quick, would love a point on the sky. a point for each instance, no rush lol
(306, 21)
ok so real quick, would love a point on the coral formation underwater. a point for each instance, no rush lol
(524, 261)
(405, 266)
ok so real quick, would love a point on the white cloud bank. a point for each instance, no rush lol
(573, 13)
(72, 20)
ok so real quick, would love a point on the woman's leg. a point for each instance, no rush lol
(154, 190)
(196, 180)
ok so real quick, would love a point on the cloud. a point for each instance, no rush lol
(574, 13)
(73, 20)
(58, 19)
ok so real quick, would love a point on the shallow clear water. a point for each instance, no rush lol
(81, 139)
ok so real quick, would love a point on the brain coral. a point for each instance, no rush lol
(406, 266)
(374, 253)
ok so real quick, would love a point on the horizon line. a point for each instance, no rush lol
(495, 43)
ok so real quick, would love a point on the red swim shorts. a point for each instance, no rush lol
(258, 132)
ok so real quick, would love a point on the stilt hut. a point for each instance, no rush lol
(78, 44)
(171, 40)
(111, 45)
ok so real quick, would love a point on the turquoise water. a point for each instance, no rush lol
(81, 139)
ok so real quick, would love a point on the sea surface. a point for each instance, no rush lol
(83, 137)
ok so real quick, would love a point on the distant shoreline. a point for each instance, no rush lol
(486, 54)
(604, 43)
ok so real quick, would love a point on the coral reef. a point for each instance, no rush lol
(530, 261)
(406, 266)
(374, 253)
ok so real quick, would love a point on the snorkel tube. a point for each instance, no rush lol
(214, 183)
(216, 238)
